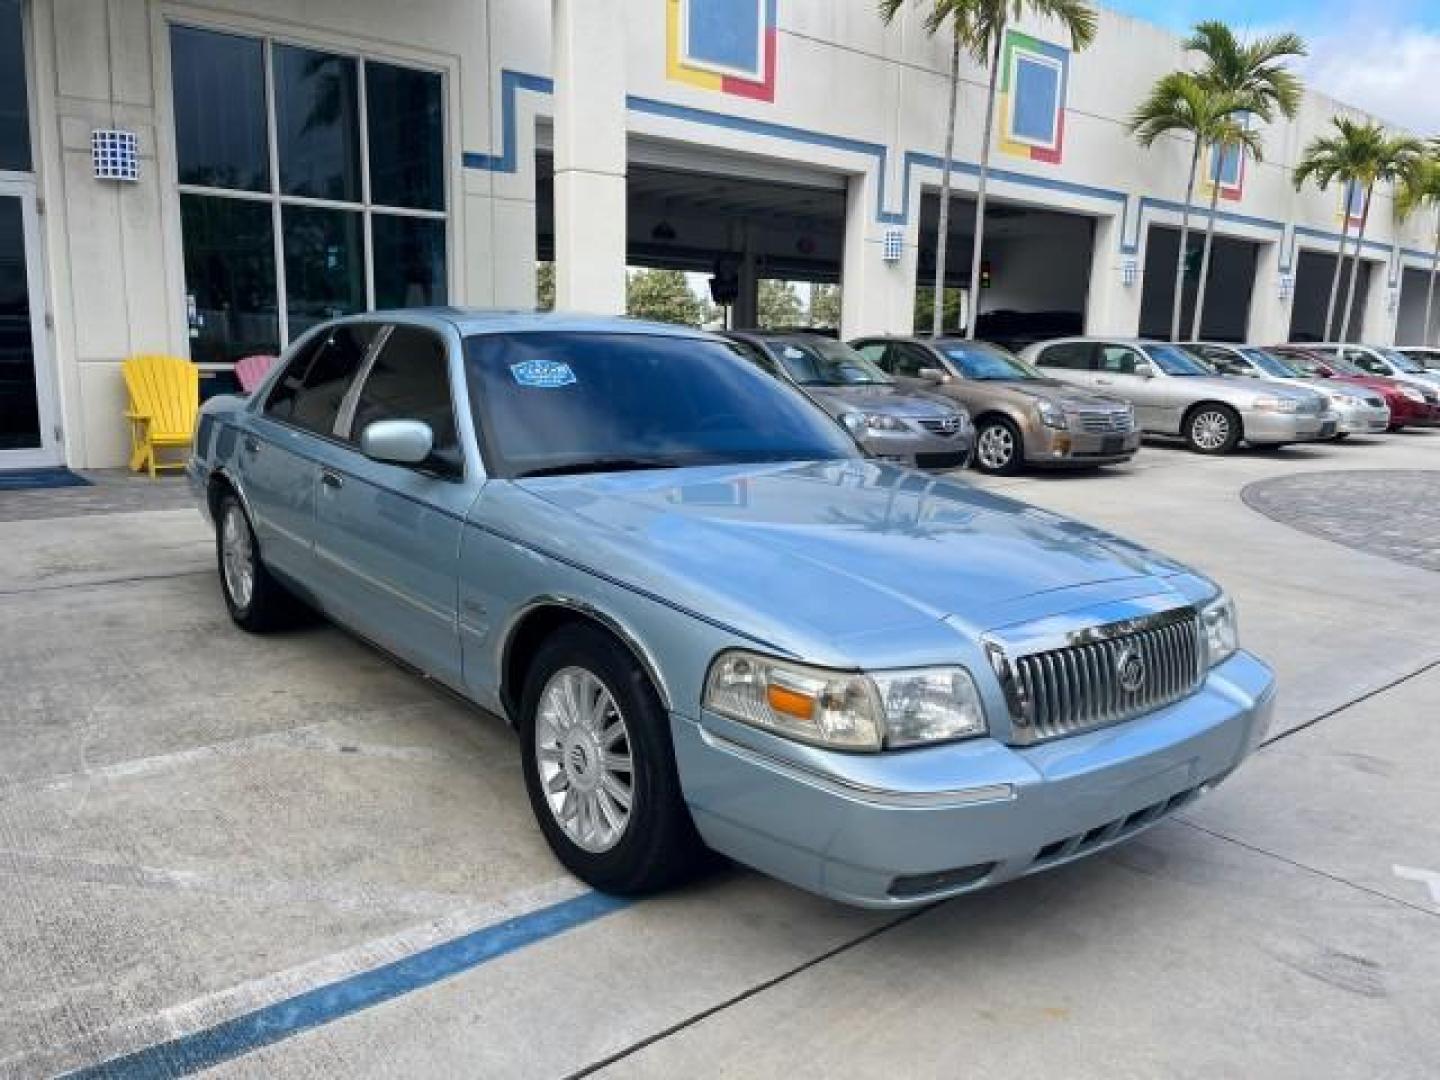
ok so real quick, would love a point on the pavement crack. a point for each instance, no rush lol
(744, 995)
(1360, 700)
(130, 580)
(1336, 878)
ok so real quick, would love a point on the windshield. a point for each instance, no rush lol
(1173, 360)
(983, 361)
(1272, 364)
(1405, 363)
(823, 362)
(1335, 363)
(565, 402)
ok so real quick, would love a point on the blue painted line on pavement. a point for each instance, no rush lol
(330, 1002)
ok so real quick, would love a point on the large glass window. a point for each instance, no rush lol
(230, 275)
(312, 185)
(14, 107)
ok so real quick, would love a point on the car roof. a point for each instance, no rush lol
(469, 320)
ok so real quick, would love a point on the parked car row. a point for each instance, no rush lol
(711, 621)
(1087, 401)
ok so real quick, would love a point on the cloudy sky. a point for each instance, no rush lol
(1382, 55)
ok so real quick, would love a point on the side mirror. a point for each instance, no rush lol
(1145, 371)
(399, 442)
(934, 374)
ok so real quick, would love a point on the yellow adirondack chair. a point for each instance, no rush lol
(164, 400)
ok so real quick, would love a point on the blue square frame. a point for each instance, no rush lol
(726, 36)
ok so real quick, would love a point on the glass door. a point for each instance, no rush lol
(28, 426)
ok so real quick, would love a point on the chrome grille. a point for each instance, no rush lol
(1097, 423)
(1311, 406)
(1080, 686)
(945, 425)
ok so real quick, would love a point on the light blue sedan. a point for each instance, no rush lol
(713, 623)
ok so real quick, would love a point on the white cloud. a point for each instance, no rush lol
(1385, 70)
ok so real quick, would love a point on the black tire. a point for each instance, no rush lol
(658, 846)
(1340, 436)
(1212, 429)
(1395, 429)
(268, 606)
(1002, 435)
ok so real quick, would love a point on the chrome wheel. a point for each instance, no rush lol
(237, 554)
(582, 751)
(995, 447)
(1210, 430)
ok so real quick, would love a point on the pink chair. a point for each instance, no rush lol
(251, 371)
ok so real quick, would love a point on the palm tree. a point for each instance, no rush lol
(979, 27)
(1359, 154)
(1256, 74)
(1231, 133)
(1180, 103)
(1421, 190)
(951, 15)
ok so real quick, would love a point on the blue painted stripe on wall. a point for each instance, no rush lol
(506, 161)
(191, 1053)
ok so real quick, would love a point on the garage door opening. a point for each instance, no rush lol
(1410, 328)
(1227, 292)
(1035, 274)
(754, 245)
(1314, 272)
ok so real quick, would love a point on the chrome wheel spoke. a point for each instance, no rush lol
(584, 758)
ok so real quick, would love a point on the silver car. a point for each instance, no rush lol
(710, 620)
(890, 420)
(1361, 411)
(1175, 394)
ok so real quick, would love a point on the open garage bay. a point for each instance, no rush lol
(287, 856)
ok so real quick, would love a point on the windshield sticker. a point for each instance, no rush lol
(792, 353)
(543, 374)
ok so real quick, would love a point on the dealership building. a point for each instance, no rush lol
(208, 179)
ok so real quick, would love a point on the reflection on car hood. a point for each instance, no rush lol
(824, 550)
(1067, 397)
(884, 398)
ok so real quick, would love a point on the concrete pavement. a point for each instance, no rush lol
(196, 824)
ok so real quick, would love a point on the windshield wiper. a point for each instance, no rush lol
(599, 465)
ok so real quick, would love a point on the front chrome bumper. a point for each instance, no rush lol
(921, 448)
(1268, 427)
(908, 827)
(1049, 446)
(1362, 419)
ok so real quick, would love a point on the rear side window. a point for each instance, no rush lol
(309, 392)
(1073, 355)
(410, 380)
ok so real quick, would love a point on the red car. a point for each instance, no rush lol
(1410, 406)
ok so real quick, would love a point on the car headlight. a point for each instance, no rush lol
(1222, 632)
(1413, 394)
(845, 710)
(1051, 415)
(1277, 404)
(862, 421)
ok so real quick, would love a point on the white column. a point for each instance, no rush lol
(589, 55)
(1111, 306)
(1377, 318)
(876, 297)
(1269, 314)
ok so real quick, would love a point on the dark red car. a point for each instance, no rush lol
(1410, 406)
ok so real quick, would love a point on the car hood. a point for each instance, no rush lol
(1239, 384)
(887, 398)
(1062, 394)
(828, 551)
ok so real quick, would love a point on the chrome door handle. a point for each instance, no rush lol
(331, 480)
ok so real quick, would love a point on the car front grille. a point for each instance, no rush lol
(1101, 423)
(1311, 407)
(947, 426)
(1375, 402)
(1112, 674)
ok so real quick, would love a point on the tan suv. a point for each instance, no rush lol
(1021, 416)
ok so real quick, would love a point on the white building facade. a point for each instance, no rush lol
(297, 161)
